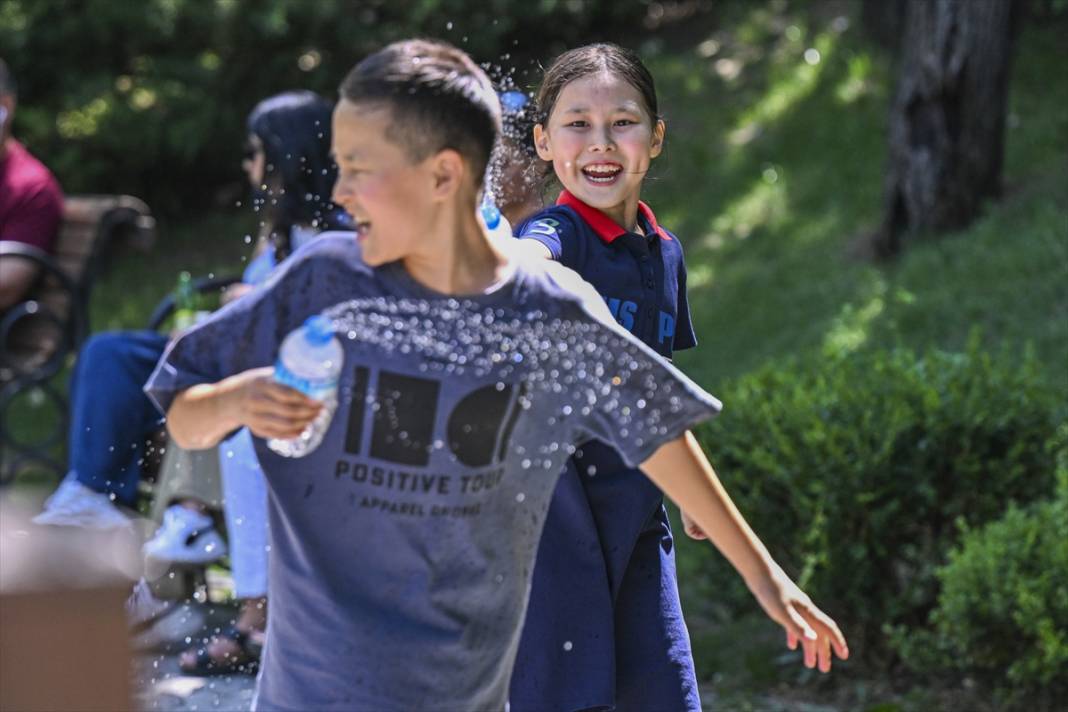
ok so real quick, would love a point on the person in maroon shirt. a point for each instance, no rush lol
(31, 203)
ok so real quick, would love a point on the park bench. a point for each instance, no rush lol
(39, 335)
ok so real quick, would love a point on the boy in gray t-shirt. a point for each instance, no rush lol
(401, 547)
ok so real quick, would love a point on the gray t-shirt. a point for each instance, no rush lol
(401, 548)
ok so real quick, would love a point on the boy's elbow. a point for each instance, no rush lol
(183, 439)
(180, 431)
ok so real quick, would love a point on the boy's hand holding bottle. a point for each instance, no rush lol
(268, 408)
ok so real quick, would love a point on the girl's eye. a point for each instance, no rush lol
(625, 122)
(578, 124)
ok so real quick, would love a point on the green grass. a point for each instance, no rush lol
(770, 178)
(134, 283)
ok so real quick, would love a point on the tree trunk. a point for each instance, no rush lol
(947, 121)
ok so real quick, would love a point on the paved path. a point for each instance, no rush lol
(159, 682)
(161, 686)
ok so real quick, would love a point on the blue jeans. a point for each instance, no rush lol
(110, 415)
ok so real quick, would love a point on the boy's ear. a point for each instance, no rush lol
(448, 169)
(657, 144)
(541, 143)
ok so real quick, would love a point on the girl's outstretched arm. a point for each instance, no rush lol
(683, 472)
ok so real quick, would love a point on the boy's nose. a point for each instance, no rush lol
(340, 193)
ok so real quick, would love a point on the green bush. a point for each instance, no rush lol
(1002, 615)
(856, 471)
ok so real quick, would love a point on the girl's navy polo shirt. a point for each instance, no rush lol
(641, 277)
(604, 510)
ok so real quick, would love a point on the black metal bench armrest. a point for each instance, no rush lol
(73, 326)
(12, 248)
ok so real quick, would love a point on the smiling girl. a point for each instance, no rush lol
(604, 628)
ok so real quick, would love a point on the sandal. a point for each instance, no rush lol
(246, 660)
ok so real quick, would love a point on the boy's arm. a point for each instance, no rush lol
(201, 416)
(532, 248)
(681, 470)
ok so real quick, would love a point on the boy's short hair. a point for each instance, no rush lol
(438, 97)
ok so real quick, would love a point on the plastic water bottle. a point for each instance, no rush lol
(185, 302)
(310, 361)
(491, 215)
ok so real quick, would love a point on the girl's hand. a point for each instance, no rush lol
(269, 409)
(691, 527)
(791, 608)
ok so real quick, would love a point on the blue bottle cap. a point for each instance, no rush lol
(491, 215)
(513, 101)
(318, 330)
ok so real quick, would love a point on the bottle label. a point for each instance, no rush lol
(317, 388)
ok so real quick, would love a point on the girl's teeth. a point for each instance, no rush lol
(602, 175)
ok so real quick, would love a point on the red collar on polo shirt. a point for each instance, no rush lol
(605, 227)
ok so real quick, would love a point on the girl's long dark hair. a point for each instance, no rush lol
(295, 130)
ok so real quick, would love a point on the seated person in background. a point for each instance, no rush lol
(110, 416)
(287, 160)
(31, 204)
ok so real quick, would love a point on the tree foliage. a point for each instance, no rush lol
(150, 97)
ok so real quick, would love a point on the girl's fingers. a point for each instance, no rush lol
(830, 629)
(824, 645)
(810, 652)
(801, 627)
(791, 640)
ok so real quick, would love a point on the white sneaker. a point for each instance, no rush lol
(143, 608)
(186, 537)
(75, 505)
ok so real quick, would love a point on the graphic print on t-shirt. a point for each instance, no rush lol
(429, 433)
(406, 425)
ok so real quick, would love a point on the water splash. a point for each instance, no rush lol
(582, 364)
